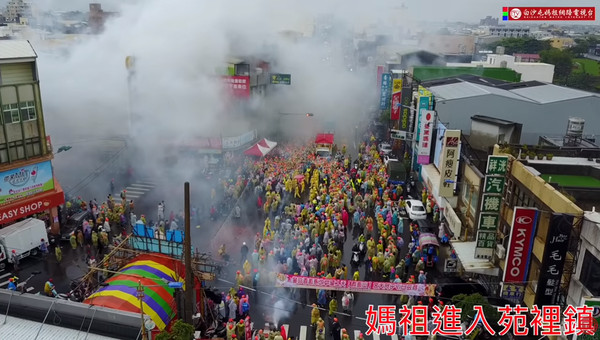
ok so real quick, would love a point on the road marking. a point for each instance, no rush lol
(5, 275)
(5, 283)
(375, 336)
(303, 331)
(31, 288)
(129, 191)
(356, 334)
(394, 336)
(143, 186)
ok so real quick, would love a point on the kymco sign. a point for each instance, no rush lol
(519, 249)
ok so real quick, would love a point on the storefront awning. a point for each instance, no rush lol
(466, 254)
(33, 204)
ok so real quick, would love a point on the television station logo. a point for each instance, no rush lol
(548, 13)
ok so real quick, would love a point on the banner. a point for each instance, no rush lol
(449, 163)
(405, 111)
(395, 111)
(426, 128)
(25, 181)
(238, 85)
(386, 88)
(296, 281)
(547, 292)
(519, 246)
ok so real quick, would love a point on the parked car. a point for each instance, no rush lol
(415, 210)
(385, 148)
(74, 222)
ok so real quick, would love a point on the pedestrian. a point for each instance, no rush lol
(44, 247)
(14, 258)
(244, 252)
(315, 315)
(161, 211)
(58, 253)
(73, 241)
(112, 186)
(11, 284)
(80, 238)
(336, 329)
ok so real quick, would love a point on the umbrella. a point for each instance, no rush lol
(428, 238)
(299, 177)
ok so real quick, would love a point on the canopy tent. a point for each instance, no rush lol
(261, 149)
(257, 150)
(324, 138)
(267, 144)
(427, 239)
(154, 272)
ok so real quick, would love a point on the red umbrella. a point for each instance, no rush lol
(299, 177)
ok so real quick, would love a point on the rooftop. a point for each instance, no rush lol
(16, 49)
(493, 120)
(577, 161)
(16, 328)
(532, 92)
(560, 142)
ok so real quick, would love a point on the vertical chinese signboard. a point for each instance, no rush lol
(386, 87)
(426, 128)
(547, 292)
(449, 162)
(405, 112)
(519, 250)
(396, 99)
(238, 85)
(489, 217)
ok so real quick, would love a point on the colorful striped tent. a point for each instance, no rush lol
(154, 271)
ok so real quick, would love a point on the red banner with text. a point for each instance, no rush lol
(395, 111)
(238, 85)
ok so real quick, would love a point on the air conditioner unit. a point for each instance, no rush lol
(500, 251)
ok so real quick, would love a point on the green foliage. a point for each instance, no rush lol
(583, 45)
(179, 331)
(521, 45)
(562, 61)
(589, 66)
(467, 302)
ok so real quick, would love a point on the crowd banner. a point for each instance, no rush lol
(296, 281)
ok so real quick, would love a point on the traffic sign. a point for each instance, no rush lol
(281, 79)
(402, 135)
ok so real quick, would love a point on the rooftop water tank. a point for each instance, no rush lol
(575, 127)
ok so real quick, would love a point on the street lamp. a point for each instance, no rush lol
(63, 148)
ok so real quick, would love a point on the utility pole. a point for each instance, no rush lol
(140, 296)
(187, 251)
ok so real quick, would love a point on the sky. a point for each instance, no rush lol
(456, 10)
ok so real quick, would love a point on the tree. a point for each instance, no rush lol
(583, 45)
(467, 302)
(179, 331)
(562, 61)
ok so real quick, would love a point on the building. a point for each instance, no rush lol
(29, 186)
(17, 9)
(530, 71)
(536, 105)
(527, 57)
(561, 42)
(489, 131)
(97, 18)
(449, 44)
(488, 21)
(510, 32)
(586, 281)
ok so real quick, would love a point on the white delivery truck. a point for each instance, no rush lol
(24, 237)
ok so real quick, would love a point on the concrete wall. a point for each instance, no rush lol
(483, 135)
(535, 71)
(537, 119)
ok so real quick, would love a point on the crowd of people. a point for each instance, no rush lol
(311, 206)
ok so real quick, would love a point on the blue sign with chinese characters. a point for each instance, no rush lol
(386, 91)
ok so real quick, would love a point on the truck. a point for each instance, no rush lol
(396, 171)
(24, 237)
(324, 145)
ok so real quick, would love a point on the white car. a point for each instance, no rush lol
(385, 148)
(415, 210)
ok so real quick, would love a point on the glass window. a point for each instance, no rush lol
(28, 111)
(590, 273)
(10, 113)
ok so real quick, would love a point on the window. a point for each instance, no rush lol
(590, 273)
(470, 196)
(28, 111)
(10, 113)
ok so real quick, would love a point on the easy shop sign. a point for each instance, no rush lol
(32, 206)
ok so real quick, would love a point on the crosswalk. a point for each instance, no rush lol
(305, 332)
(5, 277)
(139, 189)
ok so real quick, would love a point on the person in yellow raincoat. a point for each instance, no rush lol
(73, 241)
(315, 315)
(247, 267)
(333, 307)
(239, 279)
(58, 253)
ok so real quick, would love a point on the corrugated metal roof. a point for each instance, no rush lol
(16, 49)
(551, 93)
(16, 328)
(466, 90)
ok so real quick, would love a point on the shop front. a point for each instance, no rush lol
(431, 181)
(44, 205)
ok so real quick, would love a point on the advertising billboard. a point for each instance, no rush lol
(449, 163)
(559, 234)
(426, 131)
(519, 245)
(25, 181)
(405, 111)
(593, 302)
(238, 85)
(386, 88)
(30, 206)
(396, 99)
(439, 145)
